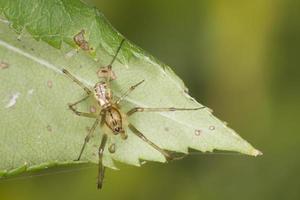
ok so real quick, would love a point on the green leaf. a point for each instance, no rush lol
(37, 128)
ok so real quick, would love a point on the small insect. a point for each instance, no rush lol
(80, 40)
(110, 117)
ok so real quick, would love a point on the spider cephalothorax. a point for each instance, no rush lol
(102, 94)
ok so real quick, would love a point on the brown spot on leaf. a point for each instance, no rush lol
(166, 129)
(212, 128)
(49, 84)
(198, 132)
(4, 65)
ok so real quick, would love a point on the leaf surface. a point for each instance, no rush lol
(37, 128)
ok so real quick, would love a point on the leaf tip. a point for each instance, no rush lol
(256, 153)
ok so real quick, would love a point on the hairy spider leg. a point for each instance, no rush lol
(73, 78)
(138, 133)
(109, 67)
(82, 114)
(140, 109)
(128, 92)
(117, 52)
(167, 155)
(87, 137)
(101, 167)
(86, 89)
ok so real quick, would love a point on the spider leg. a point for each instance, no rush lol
(128, 92)
(73, 78)
(109, 75)
(167, 155)
(117, 52)
(139, 109)
(87, 137)
(101, 167)
(83, 114)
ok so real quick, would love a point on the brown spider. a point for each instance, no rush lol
(112, 117)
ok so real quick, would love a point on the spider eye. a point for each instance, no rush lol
(117, 129)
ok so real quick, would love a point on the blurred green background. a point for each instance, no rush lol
(240, 58)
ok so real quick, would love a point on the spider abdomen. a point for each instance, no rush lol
(113, 120)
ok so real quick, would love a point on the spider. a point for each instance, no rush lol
(112, 118)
